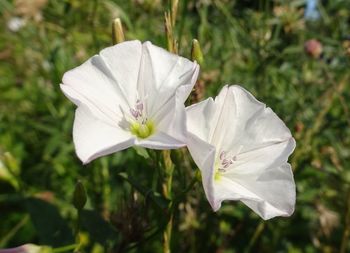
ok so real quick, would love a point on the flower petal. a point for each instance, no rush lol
(106, 83)
(270, 194)
(254, 162)
(171, 119)
(94, 138)
(88, 85)
(162, 74)
(199, 118)
(261, 176)
(123, 62)
(160, 140)
(244, 123)
(204, 156)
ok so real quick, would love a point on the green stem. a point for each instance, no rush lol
(259, 229)
(14, 230)
(77, 239)
(170, 20)
(66, 248)
(167, 186)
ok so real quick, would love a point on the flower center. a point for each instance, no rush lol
(140, 125)
(223, 164)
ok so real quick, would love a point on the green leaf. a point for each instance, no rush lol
(142, 152)
(52, 229)
(7, 176)
(100, 230)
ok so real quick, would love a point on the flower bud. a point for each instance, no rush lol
(196, 52)
(79, 196)
(117, 31)
(313, 48)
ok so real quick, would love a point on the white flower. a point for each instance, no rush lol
(241, 148)
(27, 248)
(15, 24)
(129, 94)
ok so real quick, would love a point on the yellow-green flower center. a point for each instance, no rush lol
(140, 125)
(142, 130)
(223, 163)
(217, 175)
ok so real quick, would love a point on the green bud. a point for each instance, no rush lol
(79, 196)
(196, 52)
(117, 31)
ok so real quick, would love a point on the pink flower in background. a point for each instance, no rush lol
(242, 148)
(27, 248)
(129, 94)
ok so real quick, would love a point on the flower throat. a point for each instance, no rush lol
(140, 126)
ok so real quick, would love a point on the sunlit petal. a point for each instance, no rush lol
(252, 146)
(94, 138)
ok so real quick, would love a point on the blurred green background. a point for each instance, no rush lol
(259, 44)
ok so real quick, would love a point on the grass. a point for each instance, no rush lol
(259, 44)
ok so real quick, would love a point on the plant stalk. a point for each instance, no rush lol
(166, 187)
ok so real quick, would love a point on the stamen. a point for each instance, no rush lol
(225, 162)
(139, 105)
(134, 113)
(140, 125)
(222, 155)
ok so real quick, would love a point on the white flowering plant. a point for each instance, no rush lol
(133, 94)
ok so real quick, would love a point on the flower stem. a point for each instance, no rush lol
(166, 187)
(14, 230)
(77, 238)
(67, 248)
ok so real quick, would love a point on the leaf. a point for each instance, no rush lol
(141, 152)
(52, 229)
(99, 229)
(6, 175)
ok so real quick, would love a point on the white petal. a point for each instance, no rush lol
(123, 62)
(249, 180)
(270, 194)
(200, 117)
(204, 156)
(255, 161)
(106, 83)
(244, 123)
(160, 140)
(162, 74)
(90, 86)
(171, 119)
(94, 138)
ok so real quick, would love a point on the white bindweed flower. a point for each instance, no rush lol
(242, 148)
(129, 94)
